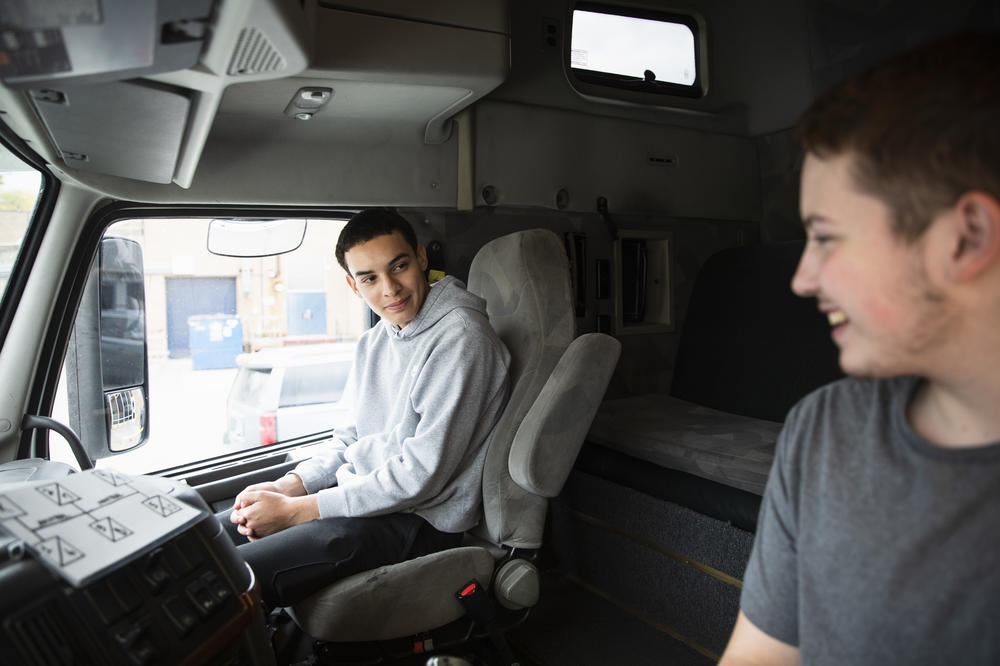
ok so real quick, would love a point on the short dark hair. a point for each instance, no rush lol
(369, 224)
(923, 127)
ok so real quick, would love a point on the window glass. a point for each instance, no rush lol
(627, 51)
(249, 385)
(314, 384)
(214, 328)
(19, 188)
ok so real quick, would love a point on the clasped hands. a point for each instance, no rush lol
(265, 508)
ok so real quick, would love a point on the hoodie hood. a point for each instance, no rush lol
(447, 294)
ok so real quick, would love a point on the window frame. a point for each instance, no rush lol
(37, 225)
(56, 342)
(606, 84)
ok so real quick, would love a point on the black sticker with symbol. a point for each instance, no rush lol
(111, 529)
(114, 478)
(59, 551)
(8, 509)
(161, 505)
(58, 494)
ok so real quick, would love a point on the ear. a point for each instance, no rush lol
(353, 285)
(422, 257)
(976, 235)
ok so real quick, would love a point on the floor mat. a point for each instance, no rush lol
(573, 626)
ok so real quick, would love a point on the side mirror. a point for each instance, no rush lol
(107, 362)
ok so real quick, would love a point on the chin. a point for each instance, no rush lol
(397, 319)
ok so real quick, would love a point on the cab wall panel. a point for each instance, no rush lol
(528, 154)
(647, 360)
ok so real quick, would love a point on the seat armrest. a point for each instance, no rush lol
(549, 439)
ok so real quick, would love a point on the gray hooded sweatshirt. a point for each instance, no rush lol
(425, 399)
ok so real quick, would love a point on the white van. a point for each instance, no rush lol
(284, 393)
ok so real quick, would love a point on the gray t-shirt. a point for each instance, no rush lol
(873, 545)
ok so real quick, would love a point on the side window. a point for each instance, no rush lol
(19, 189)
(222, 335)
(617, 49)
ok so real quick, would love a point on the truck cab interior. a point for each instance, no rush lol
(619, 180)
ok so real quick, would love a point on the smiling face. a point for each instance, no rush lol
(886, 316)
(389, 275)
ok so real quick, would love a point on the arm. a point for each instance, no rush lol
(320, 471)
(450, 407)
(749, 646)
(770, 581)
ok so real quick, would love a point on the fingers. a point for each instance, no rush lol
(246, 498)
(237, 518)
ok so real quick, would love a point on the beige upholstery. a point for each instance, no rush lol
(556, 388)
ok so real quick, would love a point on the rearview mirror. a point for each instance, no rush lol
(253, 237)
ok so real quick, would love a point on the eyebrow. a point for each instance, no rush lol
(401, 255)
(809, 220)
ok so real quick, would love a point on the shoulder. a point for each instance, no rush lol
(850, 395)
(466, 327)
(827, 425)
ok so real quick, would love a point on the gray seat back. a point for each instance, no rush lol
(556, 385)
(524, 278)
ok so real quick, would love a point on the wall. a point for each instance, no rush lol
(646, 364)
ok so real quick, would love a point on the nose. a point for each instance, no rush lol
(804, 282)
(390, 286)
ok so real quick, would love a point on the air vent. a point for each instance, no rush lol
(254, 54)
(43, 640)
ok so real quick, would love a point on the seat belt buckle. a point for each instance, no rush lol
(476, 602)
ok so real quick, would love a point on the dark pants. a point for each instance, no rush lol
(292, 564)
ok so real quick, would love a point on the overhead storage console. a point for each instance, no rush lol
(132, 88)
(454, 51)
(79, 63)
(122, 128)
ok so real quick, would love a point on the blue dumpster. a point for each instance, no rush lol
(215, 340)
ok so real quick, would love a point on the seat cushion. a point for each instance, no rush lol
(734, 450)
(395, 600)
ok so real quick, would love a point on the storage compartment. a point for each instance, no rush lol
(643, 293)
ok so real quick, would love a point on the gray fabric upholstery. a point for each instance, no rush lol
(396, 600)
(524, 278)
(549, 438)
(733, 450)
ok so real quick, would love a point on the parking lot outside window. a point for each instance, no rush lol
(223, 334)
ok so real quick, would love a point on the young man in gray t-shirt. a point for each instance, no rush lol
(879, 533)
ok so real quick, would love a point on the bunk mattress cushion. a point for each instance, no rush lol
(733, 450)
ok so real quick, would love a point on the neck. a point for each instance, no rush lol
(958, 415)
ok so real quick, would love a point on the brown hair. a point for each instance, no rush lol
(923, 127)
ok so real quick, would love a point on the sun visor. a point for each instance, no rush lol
(138, 136)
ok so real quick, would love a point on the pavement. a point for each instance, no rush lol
(187, 413)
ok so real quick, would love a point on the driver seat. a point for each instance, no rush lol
(557, 383)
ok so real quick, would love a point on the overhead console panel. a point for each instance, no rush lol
(133, 88)
(455, 51)
(48, 42)
(123, 128)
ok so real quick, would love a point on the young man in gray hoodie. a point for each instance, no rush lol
(404, 479)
